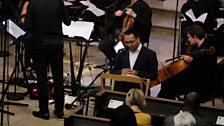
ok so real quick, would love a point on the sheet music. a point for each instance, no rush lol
(220, 120)
(114, 104)
(70, 99)
(66, 3)
(91, 7)
(79, 29)
(220, 21)
(201, 18)
(14, 29)
(118, 46)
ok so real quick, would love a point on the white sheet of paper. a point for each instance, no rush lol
(14, 29)
(220, 120)
(114, 104)
(91, 7)
(70, 99)
(78, 28)
(220, 21)
(66, 3)
(201, 18)
(118, 46)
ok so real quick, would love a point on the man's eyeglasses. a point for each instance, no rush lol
(130, 42)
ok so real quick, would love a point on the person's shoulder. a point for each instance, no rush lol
(145, 49)
(143, 3)
(201, 121)
(168, 121)
(144, 115)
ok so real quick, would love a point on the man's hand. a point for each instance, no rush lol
(130, 12)
(187, 58)
(127, 71)
(118, 13)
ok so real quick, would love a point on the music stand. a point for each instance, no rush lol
(78, 31)
(16, 34)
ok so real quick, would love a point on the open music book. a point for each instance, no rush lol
(78, 29)
(201, 18)
(91, 7)
(15, 31)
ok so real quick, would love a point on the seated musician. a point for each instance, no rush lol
(136, 60)
(139, 14)
(198, 76)
(198, 7)
(135, 99)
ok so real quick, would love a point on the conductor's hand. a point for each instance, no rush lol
(187, 58)
(127, 71)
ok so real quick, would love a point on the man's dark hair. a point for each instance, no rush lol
(196, 30)
(192, 102)
(132, 31)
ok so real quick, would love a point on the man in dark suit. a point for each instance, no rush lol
(136, 61)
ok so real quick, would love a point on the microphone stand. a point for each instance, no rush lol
(80, 96)
(175, 29)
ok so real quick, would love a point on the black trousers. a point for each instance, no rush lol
(44, 55)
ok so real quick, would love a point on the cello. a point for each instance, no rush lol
(177, 66)
(169, 71)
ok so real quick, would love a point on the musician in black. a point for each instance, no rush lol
(199, 7)
(141, 13)
(199, 75)
(44, 20)
(22, 10)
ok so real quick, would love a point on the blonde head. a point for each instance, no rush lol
(135, 97)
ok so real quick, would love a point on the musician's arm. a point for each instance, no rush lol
(28, 22)
(143, 18)
(151, 67)
(66, 18)
(24, 11)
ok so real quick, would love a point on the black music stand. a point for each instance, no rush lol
(16, 34)
(10, 28)
(78, 31)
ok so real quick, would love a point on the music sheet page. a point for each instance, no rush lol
(78, 29)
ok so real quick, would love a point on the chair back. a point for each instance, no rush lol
(114, 77)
